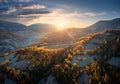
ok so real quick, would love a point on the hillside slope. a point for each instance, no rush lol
(15, 35)
(88, 57)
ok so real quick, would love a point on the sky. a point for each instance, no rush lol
(61, 13)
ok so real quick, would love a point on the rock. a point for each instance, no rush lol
(115, 61)
(9, 81)
(49, 80)
(83, 79)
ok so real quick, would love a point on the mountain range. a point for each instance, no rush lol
(86, 53)
(98, 26)
(73, 34)
(14, 35)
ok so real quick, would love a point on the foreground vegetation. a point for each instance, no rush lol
(42, 62)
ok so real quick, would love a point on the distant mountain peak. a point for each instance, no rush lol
(11, 25)
(105, 25)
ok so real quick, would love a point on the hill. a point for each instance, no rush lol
(15, 35)
(42, 27)
(62, 36)
(6, 25)
(104, 25)
(72, 34)
(86, 58)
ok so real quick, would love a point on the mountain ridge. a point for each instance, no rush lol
(104, 24)
(11, 25)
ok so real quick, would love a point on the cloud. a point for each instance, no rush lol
(17, 8)
(24, 0)
(63, 13)
(25, 10)
(3, 1)
(28, 12)
(35, 6)
(57, 16)
(93, 14)
(114, 12)
(7, 1)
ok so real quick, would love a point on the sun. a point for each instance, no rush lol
(61, 24)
